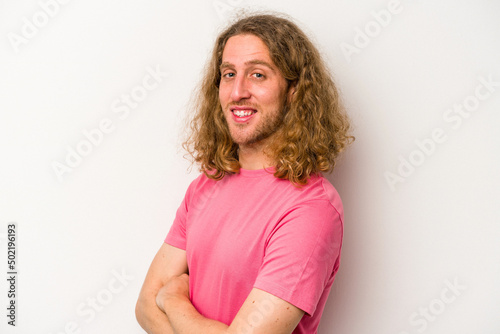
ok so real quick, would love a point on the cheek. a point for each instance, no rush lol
(224, 93)
(270, 93)
(272, 98)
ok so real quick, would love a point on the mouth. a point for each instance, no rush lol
(242, 113)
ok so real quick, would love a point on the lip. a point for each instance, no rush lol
(245, 118)
(241, 108)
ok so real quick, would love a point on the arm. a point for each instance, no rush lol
(169, 262)
(311, 269)
(260, 313)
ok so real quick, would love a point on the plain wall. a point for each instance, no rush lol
(420, 185)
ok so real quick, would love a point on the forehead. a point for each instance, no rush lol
(242, 48)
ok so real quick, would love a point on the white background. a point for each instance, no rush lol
(404, 244)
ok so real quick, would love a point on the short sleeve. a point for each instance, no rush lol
(177, 234)
(302, 254)
(197, 197)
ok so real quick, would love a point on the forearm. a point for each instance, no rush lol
(151, 318)
(185, 319)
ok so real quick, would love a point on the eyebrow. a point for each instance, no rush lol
(250, 62)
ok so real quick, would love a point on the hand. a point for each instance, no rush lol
(176, 287)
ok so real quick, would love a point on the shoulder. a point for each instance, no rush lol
(321, 191)
(201, 180)
(314, 210)
(331, 194)
(200, 186)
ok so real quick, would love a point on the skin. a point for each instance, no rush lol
(250, 81)
(169, 262)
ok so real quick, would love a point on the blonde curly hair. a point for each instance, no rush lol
(315, 126)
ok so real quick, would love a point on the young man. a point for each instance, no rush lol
(256, 243)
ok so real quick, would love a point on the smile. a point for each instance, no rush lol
(243, 113)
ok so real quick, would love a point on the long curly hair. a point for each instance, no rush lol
(315, 126)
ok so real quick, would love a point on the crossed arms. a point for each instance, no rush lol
(164, 306)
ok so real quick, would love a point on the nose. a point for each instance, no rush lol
(240, 89)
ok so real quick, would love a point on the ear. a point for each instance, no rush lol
(291, 90)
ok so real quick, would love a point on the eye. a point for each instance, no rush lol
(259, 75)
(228, 75)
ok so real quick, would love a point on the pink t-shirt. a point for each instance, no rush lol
(253, 230)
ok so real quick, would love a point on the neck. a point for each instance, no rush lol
(252, 157)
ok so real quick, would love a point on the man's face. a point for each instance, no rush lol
(252, 90)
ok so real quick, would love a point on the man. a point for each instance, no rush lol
(256, 243)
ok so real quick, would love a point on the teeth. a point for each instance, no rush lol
(242, 113)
